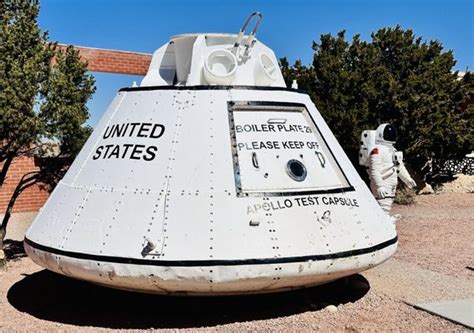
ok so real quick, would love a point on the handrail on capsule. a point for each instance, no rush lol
(251, 38)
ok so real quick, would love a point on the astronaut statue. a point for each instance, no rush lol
(384, 164)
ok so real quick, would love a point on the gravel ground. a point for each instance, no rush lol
(436, 233)
(435, 247)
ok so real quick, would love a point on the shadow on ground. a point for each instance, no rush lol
(53, 297)
(13, 249)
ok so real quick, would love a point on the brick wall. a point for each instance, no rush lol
(29, 200)
(114, 61)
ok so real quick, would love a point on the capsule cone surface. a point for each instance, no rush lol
(206, 189)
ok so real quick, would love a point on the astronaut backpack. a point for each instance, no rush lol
(367, 143)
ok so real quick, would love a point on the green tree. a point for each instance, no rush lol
(397, 78)
(43, 96)
(24, 64)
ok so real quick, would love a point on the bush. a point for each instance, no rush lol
(405, 195)
(396, 78)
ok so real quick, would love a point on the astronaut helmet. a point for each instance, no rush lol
(386, 133)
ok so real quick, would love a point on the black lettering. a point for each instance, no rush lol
(133, 125)
(125, 129)
(238, 128)
(137, 149)
(108, 131)
(304, 201)
(145, 127)
(161, 129)
(107, 150)
(98, 151)
(127, 146)
(151, 153)
(119, 130)
(115, 152)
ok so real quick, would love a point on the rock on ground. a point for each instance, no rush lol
(461, 184)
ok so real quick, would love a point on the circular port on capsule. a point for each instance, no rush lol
(296, 170)
(265, 70)
(220, 67)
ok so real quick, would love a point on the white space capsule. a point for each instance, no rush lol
(211, 177)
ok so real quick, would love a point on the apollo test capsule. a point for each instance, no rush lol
(211, 177)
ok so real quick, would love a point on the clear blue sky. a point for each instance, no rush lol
(289, 27)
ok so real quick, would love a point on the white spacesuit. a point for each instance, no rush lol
(385, 166)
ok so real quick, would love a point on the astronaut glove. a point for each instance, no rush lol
(411, 183)
(382, 192)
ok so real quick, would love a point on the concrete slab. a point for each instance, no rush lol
(460, 311)
(413, 284)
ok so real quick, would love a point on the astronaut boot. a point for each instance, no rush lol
(3, 258)
(386, 204)
(395, 218)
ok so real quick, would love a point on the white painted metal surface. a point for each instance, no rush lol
(215, 59)
(178, 190)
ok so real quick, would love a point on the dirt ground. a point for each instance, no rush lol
(435, 249)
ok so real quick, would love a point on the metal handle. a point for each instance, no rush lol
(321, 158)
(240, 37)
(254, 160)
(276, 121)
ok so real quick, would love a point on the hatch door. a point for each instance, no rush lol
(278, 149)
